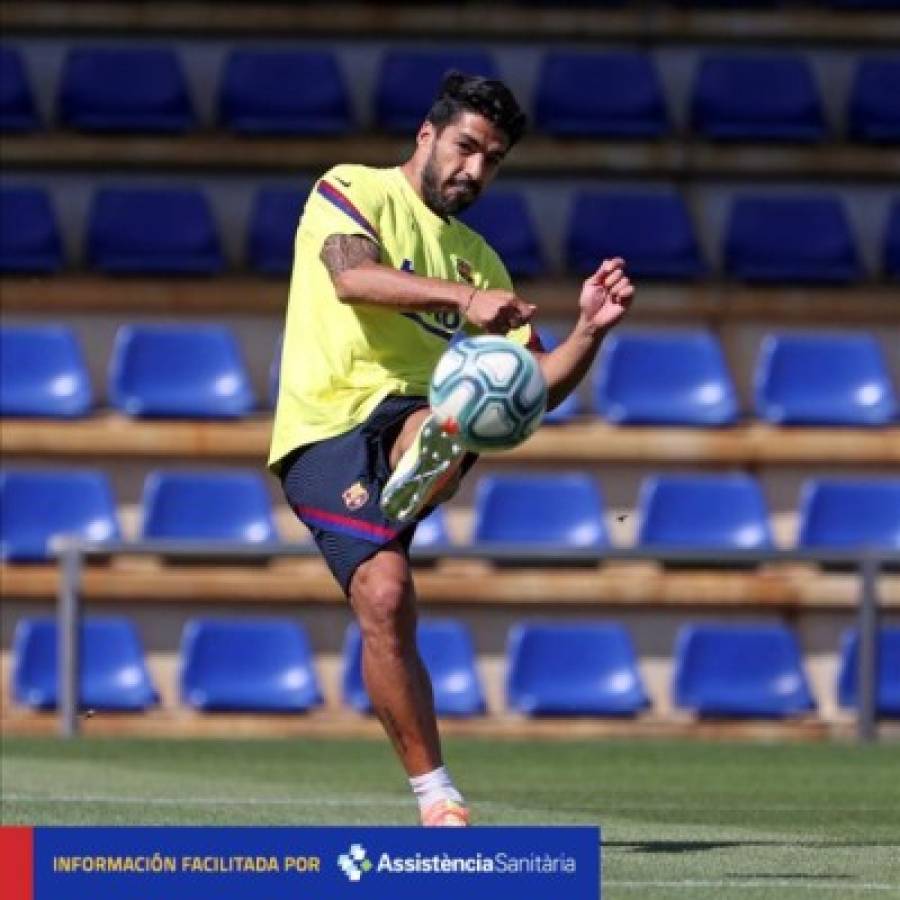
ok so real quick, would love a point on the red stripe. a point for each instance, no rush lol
(16, 863)
(345, 204)
(366, 527)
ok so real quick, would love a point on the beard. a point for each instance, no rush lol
(443, 204)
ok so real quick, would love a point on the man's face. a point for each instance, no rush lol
(462, 160)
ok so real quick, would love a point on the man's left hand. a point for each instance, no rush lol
(606, 295)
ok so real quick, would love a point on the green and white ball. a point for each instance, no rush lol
(489, 391)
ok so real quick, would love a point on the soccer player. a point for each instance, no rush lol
(384, 276)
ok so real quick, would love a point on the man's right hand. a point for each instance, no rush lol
(497, 311)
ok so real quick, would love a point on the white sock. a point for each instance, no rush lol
(434, 786)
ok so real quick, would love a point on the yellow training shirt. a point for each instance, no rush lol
(340, 360)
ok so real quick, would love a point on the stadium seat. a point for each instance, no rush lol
(571, 407)
(874, 111)
(845, 513)
(892, 242)
(38, 506)
(791, 238)
(273, 226)
(584, 669)
(432, 530)
(505, 222)
(17, 109)
(652, 231)
(42, 372)
(822, 379)
(253, 665)
(757, 98)
(563, 510)
(740, 671)
(124, 89)
(408, 82)
(179, 371)
(113, 674)
(447, 652)
(29, 235)
(226, 505)
(711, 512)
(153, 231)
(284, 92)
(664, 378)
(623, 98)
(887, 690)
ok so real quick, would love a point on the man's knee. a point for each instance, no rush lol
(382, 597)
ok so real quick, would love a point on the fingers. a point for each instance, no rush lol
(607, 268)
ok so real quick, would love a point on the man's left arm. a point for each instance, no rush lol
(605, 299)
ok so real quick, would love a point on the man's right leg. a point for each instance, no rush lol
(382, 596)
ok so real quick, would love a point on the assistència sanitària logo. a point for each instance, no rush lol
(354, 863)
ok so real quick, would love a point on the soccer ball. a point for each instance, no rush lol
(489, 391)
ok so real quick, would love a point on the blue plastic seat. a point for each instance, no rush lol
(210, 506)
(757, 98)
(584, 669)
(273, 226)
(254, 665)
(821, 379)
(505, 222)
(447, 653)
(408, 82)
(42, 372)
(125, 89)
(887, 682)
(600, 94)
(175, 371)
(562, 510)
(38, 506)
(571, 407)
(892, 242)
(29, 234)
(113, 672)
(17, 109)
(664, 378)
(740, 671)
(706, 511)
(652, 231)
(432, 531)
(284, 92)
(850, 513)
(874, 110)
(153, 231)
(791, 238)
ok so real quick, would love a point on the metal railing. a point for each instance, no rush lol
(868, 562)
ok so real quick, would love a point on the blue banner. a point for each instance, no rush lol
(321, 863)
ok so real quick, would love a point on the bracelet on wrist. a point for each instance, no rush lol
(469, 301)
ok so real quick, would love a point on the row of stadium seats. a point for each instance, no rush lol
(801, 238)
(734, 97)
(266, 665)
(563, 511)
(666, 377)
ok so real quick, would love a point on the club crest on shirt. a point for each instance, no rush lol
(464, 270)
(355, 496)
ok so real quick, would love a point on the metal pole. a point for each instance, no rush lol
(867, 675)
(69, 636)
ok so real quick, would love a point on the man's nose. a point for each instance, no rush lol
(474, 168)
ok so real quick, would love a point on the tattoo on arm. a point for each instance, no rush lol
(393, 729)
(346, 251)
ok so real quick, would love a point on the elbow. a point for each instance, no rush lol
(343, 288)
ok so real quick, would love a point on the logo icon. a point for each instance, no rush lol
(355, 496)
(341, 181)
(464, 269)
(354, 863)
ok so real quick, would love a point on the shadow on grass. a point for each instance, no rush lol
(702, 846)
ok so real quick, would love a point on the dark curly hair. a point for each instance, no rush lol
(486, 96)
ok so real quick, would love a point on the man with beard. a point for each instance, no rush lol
(384, 276)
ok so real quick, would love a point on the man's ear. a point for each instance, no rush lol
(425, 134)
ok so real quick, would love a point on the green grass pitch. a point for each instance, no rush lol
(680, 819)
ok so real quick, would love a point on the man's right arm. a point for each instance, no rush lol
(353, 263)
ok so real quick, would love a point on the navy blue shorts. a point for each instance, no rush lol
(334, 486)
